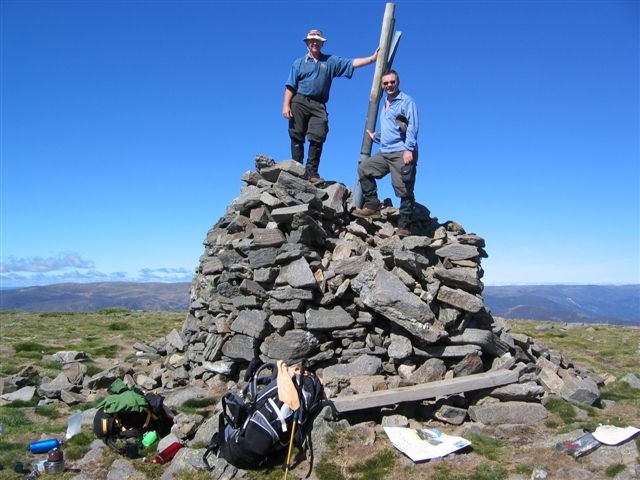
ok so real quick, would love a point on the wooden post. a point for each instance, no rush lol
(440, 388)
(376, 91)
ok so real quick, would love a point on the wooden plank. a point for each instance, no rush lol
(424, 391)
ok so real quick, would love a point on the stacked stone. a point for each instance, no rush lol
(288, 273)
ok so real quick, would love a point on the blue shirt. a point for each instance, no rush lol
(391, 138)
(313, 79)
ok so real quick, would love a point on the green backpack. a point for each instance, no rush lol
(127, 414)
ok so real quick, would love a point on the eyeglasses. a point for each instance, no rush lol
(390, 82)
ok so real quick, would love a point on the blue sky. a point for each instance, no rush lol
(127, 124)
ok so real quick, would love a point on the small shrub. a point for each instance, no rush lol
(108, 351)
(331, 442)
(442, 472)
(48, 411)
(118, 326)
(92, 369)
(613, 470)
(113, 310)
(196, 405)
(328, 471)
(22, 403)
(12, 418)
(481, 472)
(524, 469)
(488, 472)
(486, 446)
(620, 391)
(86, 406)
(563, 409)
(77, 446)
(9, 453)
(9, 369)
(551, 424)
(32, 347)
(376, 467)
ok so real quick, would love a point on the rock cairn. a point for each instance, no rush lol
(287, 273)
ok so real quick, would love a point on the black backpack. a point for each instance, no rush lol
(122, 431)
(254, 431)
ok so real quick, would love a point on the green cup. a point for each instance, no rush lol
(149, 438)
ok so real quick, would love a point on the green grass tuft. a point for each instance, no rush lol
(113, 311)
(613, 470)
(118, 326)
(197, 405)
(108, 351)
(48, 411)
(481, 472)
(22, 403)
(620, 391)
(328, 471)
(376, 467)
(12, 418)
(524, 469)
(486, 446)
(35, 347)
(78, 445)
(563, 409)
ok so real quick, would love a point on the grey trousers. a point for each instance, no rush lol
(379, 166)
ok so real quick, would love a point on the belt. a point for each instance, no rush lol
(310, 98)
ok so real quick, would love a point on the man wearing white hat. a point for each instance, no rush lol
(305, 96)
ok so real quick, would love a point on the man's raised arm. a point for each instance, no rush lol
(361, 62)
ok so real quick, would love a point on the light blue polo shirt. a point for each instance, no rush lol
(391, 138)
(313, 79)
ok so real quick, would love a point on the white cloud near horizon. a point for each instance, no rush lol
(41, 265)
(31, 272)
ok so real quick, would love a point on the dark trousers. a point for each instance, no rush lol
(310, 120)
(380, 165)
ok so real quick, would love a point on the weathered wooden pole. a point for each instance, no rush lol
(376, 91)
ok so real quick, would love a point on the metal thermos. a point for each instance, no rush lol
(43, 446)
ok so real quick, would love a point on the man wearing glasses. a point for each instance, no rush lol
(305, 96)
(398, 154)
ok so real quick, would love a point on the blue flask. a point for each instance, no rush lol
(43, 446)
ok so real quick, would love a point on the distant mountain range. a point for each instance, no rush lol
(617, 304)
(90, 297)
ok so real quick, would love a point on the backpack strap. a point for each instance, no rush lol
(217, 440)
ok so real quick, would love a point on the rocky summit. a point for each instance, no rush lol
(288, 273)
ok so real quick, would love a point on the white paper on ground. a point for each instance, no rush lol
(610, 435)
(74, 425)
(437, 445)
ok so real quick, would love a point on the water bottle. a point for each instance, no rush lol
(43, 446)
(149, 438)
(167, 454)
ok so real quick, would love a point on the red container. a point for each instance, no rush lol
(168, 453)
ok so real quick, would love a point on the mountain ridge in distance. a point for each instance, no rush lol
(615, 304)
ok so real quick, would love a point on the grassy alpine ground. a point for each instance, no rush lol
(108, 335)
(25, 337)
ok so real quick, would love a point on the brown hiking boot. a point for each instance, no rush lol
(402, 232)
(316, 180)
(366, 213)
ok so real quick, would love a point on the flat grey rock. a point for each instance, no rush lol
(124, 469)
(508, 412)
